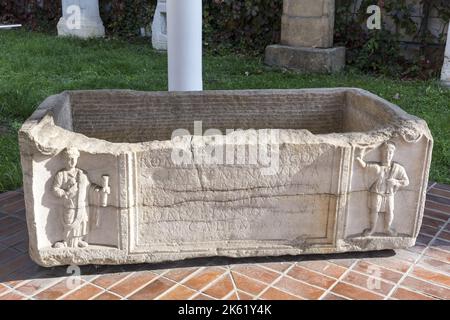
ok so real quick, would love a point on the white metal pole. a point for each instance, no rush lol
(184, 45)
(445, 76)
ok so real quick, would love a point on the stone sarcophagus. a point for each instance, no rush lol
(115, 177)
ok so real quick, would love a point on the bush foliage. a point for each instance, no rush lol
(248, 26)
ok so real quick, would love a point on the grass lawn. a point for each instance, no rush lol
(34, 66)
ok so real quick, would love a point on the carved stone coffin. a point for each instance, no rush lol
(116, 177)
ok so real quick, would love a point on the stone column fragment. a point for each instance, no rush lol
(159, 26)
(81, 18)
(307, 29)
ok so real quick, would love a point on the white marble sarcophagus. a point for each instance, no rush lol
(115, 177)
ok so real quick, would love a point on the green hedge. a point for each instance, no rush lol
(248, 26)
(239, 25)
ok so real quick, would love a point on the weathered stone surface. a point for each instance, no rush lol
(306, 59)
(104, 183)
(445, 76)
(308, 8)
(159, 26)
(81, 18)
(308, 23)
(307, 30)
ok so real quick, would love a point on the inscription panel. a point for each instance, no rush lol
(207, 209)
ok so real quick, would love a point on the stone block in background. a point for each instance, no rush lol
(307, 29)
(81, 18)
(315, 60)
(159, 26)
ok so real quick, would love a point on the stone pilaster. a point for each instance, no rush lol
(307, 29)
(81, 18)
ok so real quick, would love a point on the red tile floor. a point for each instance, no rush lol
(421, 272)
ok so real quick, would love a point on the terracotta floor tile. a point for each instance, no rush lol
(355, 293)
(21, 262)
(233, 297)
(407, 256)
(444, 235)
(132, 283)
(438, 207)
(247, 284)
(107, 280)
(404, 294)
(429, 279)
(426, 287)
(107, 296)
(13, 283)
(435, 215)
(200, 280)
(244, 296)
(153, 289)
(180, 292)
(220, 288)
(84, 293)
(179, 274)
(12, 296)
(277, 266)
(438, 254)
(346, 263)
(14, 239)
(13, 205)
(10, 223)
(324, 267)
(428, 231)
(440, 189)
(10, 196)
(202, 297)
(275, 294)
(368, 282)
(22, 246)
(311, 277)
(30, 288)
(3, 289)
(432, 276)
(442, 186)
(441, 245)
(423, 239)
(369, 269)
(331, 296)
(434, 223)
(431, 263)
(417, 248)
(256, 272)
(299, 288)
(391, 263)
(8, 254)
(55, 291)
(438, 199)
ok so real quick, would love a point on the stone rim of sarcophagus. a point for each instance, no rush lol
(49, 131)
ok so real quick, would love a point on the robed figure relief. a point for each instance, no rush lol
(81, 200)
(389, 176)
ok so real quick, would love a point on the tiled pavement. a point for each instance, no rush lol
(421, 272)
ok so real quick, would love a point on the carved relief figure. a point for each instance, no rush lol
(72, 185)
(390, 177)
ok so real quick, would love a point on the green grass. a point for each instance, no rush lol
(34, 66)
